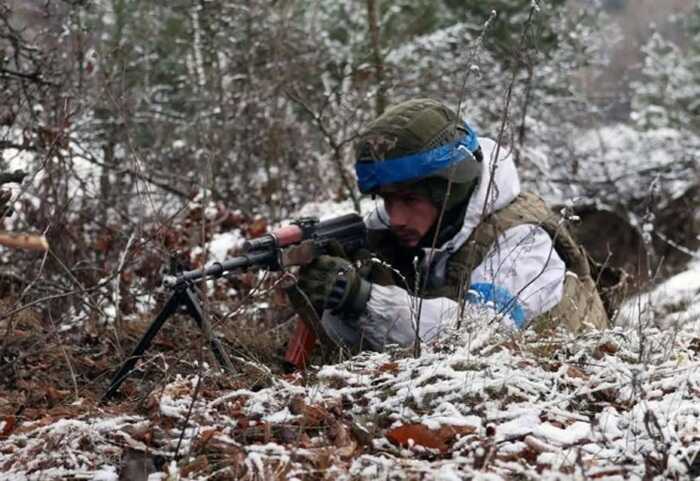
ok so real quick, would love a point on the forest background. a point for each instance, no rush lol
(124, 113)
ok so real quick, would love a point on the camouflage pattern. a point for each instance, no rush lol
(581, 306)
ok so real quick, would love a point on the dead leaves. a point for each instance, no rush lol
(577, 373)
(8, 425)
(409, 435)
(603, 349)
(390, 367)
(311, 416)
(328, 421)
(200, 464)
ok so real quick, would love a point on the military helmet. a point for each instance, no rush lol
(419, 144)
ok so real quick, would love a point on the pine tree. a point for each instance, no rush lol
(668, 93)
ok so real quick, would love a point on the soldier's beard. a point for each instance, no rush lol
(408, 237)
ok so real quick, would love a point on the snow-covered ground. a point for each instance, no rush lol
(478, 404)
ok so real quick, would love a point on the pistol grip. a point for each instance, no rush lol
(301, 345)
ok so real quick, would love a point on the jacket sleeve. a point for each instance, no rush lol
(521, 276)
(390, 318)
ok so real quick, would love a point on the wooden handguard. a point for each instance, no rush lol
(301, 345)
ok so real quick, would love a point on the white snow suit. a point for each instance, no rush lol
(511, 254)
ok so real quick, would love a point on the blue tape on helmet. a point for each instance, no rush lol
(373, 175)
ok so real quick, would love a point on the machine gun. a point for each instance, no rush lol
(294, 245)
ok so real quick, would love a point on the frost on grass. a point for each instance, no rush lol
(513, 407)
(478, 404)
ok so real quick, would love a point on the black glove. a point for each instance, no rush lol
(333, 283)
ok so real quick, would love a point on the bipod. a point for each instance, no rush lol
(183, 296)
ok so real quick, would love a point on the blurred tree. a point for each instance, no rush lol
(505, 37)
(668, 92)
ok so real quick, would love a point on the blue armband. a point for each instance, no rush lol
(498, 298)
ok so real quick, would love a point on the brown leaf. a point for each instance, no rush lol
(53, 394)
(429, 438)
(9, 424)
(204, 438)
(604, 348)
(314, 415)
(390, 367)
(305, 440)
(419, 434)
(311, 415)
(199, 465)
(573, 371)
(342, 439)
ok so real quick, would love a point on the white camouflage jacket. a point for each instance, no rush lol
(522, 275)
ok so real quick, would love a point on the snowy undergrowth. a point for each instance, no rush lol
(619, 404)
(477, 404)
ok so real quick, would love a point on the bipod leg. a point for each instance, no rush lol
(170, 307)
(195, 310)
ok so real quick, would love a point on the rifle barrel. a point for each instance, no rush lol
(217, 269)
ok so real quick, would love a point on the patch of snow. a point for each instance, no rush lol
(107, 473)
(224, 242)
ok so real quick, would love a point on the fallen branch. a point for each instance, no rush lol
(17, 176)
(32, 242)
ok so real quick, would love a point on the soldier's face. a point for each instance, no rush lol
(411, 215)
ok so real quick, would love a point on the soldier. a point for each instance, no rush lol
(453, 226)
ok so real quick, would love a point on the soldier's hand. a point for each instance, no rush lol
(332, 282)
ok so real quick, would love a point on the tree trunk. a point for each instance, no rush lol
(375, 42)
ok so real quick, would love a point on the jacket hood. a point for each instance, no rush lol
(498, 186)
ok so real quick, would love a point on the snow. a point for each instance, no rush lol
(622, 163)
(534, 408)
(108, 473)
(519, 426)
(562, 437)
(519, 401)
(224, 242)
(673, 302)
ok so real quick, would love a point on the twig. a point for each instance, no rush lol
(24, 292)
(189, 411)
(74, 378)
(15, 177)
(117, 293)
(54, 297)
(443, 208)
(335, 145)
